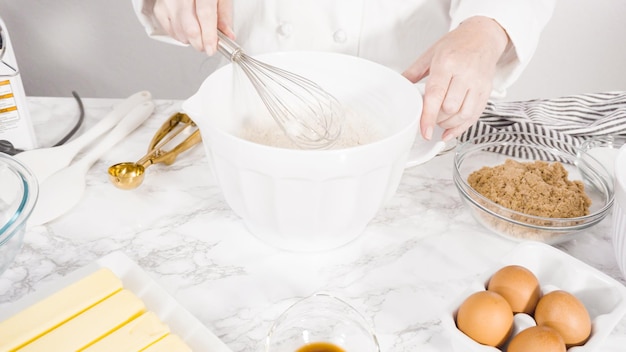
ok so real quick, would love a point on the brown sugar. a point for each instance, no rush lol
(536, 188)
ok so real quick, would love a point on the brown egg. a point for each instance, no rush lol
(537, 338)
(486, 317)
(566, 314)
(518, 285)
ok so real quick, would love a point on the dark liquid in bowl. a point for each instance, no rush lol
(320, 347)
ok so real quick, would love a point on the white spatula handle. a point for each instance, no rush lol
(129, 123)
(106, 123)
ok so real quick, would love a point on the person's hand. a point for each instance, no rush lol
(461, 66)
(195, 22)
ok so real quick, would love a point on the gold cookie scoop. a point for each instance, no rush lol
(129, 175)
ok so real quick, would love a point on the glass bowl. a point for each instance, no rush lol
(493, 149)
(321, 319)
(18, 195)
(604, 149)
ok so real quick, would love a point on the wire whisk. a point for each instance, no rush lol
(310, 116)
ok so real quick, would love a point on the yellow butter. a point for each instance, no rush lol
(170, 343)
(132, 337)
(56, 309)
(89, 326)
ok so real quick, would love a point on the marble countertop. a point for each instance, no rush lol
(419, 252)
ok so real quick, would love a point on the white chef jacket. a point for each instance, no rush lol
(391, 32)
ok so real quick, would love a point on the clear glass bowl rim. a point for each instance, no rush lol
(506, 214)
(314, 295)
(30, 192)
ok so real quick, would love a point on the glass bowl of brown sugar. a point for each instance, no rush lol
(525, 186)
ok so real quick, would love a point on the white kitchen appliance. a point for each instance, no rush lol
(619, 210)
(15, 123)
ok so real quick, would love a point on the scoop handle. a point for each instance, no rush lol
(129, 123)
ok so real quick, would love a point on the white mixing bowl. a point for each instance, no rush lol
(618, 231)
(312, 200)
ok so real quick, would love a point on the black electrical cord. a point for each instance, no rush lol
(8, 148)
(81, 118)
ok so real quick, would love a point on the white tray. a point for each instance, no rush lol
(156, 299)
(603, 296)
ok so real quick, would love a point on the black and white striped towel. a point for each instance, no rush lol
(570, 119)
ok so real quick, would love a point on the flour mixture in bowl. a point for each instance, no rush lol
(357, 129)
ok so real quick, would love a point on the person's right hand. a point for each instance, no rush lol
(195, 22)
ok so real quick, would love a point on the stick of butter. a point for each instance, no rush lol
(91, 325)
(132, 337)
(170, 343)
(56, 309)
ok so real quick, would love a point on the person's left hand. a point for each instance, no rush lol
(461, 67)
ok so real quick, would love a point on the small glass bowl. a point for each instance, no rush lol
(604, 149)
(18, 194)
(493, 149)
(321, 318)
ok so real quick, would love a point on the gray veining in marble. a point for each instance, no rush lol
(419, 253)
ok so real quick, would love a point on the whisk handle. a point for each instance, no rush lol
(228, 47)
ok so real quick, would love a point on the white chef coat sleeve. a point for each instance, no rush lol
(143, 10)
(523, 21)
